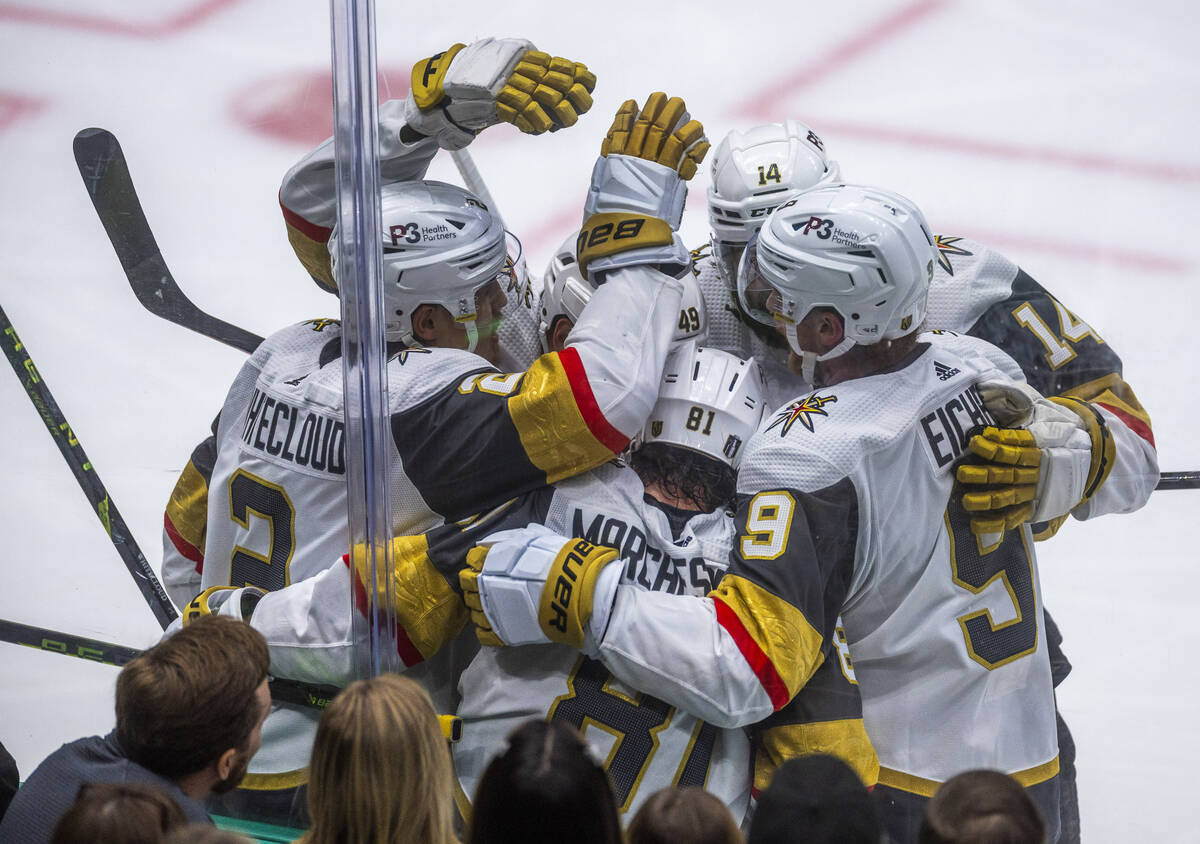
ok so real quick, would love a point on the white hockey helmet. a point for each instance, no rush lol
(440, 246)
(708, 401)
(565, 292)
(758, 170)
(865, 252)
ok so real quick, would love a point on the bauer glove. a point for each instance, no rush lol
(232, 601)
(460, 92)
(635, 201)
(1050, 456)
(531, 586)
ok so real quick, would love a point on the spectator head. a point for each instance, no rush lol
(192, 707)
(124, 813)
(380, 770)
(676, 815)
(199, 833)
(815, 799)
(982, 807)
(544, 787)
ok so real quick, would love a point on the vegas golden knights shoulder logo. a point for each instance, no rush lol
(804, 412)
(656, 428)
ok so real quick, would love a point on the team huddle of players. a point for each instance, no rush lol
(713, 507)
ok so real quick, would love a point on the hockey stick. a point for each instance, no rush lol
(102, 165)
(85, 474)
(474, 179)
(1178, 480)
(68, 644)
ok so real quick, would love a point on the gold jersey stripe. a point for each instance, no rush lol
(428, 610)
(314, 255)
(1111, 390)
(846, 739)
(790, 644)
(275, 782)
(188, 506)
(925, 788)
(553, 431)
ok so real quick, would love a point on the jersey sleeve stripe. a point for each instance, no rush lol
(310, 243)
(556, 417)
(189, 551)
(613, 439)
(845, 738)
(187, 513)
(1113, 393)
(407, 651)
(754, 655)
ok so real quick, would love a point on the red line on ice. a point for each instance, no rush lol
(1092, 252)
(1152, 170)
(764, 105)
(98, 23)
(13, 107)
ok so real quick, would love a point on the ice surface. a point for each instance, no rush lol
(1061, 133)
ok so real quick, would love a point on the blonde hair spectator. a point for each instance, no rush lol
(380, 770)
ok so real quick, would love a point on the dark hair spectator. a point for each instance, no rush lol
(184, 702)
(544, 787)
(381, 770)
(816, 799)
(189, 719)
(982, 807)
(130, 813)
(683, 816)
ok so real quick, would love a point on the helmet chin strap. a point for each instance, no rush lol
(808, 360)
(472, 334)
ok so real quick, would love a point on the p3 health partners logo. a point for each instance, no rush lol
(828, 229)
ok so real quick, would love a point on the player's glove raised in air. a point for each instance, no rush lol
(639, 184)
(460, 92)
(532, 586)
(232, 601)
(1050, 456)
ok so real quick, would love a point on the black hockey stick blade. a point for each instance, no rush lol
(1179, 480)
(85, 473)
(102, 165)
(68, 644)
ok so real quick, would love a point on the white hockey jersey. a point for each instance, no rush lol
(977, 291)
(845, 504)
(645, 743)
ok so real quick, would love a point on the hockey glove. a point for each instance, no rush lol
(532, 586)
(460, 92)
(1054, 461)
(232, 601)
(635, 201)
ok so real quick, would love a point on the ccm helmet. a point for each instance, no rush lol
(708, 401)
(440, 246)
(865, 252)
(756, 171)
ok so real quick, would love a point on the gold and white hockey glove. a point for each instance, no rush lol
(635, 201)
(458, 93)
(531, 586)
(1050, 457)
(232, 601)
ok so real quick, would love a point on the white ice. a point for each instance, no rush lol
(1061, 133)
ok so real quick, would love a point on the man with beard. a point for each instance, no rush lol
(189, 718)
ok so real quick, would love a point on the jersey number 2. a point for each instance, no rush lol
(250, 495)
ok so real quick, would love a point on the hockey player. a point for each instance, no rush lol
(974, 291)
(845, 503)
(465, 437)
(565, 291)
